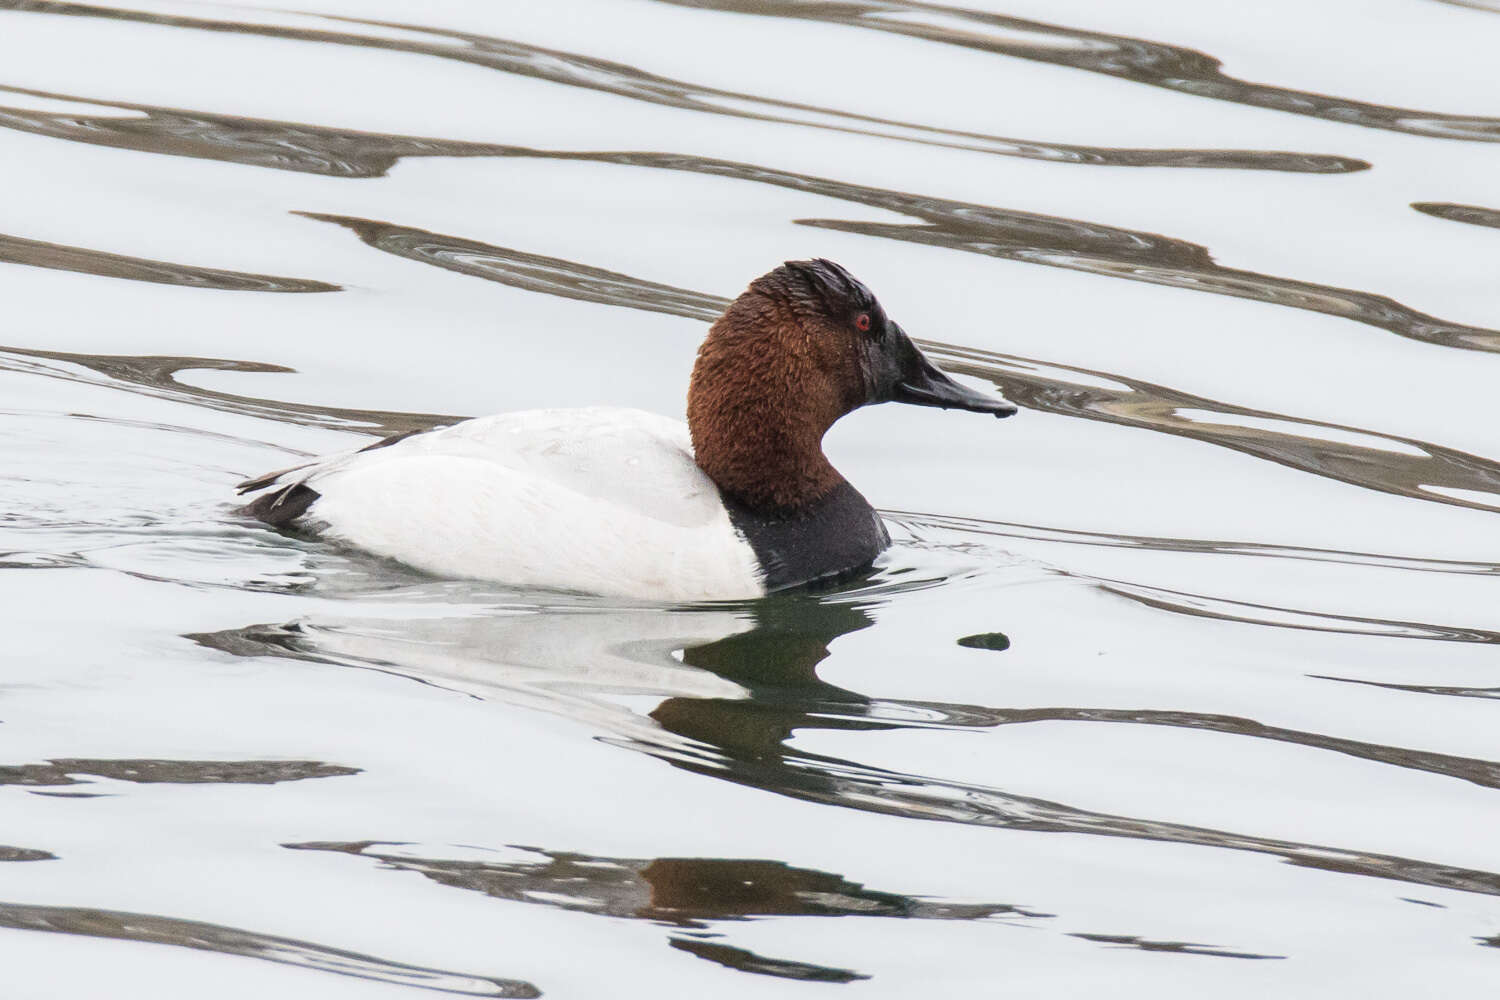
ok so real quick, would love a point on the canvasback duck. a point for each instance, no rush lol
(739, 502)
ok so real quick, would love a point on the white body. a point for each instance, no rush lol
(606, 501)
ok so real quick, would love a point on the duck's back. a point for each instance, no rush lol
(607, 501)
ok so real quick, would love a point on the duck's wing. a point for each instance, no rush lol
(269, 479)
(630, 458)
(292, 497)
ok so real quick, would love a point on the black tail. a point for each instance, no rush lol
(282, 507)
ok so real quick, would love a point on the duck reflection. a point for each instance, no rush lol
(688, 895)
(736, 683)
(776, 662)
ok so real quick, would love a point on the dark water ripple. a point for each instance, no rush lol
(25, 854)
(1051, 388)
(149, 928)
(251, 141)
(1027, 237)
(1171, 67)
(532, 272)
(1451, 692)
(916, 521)
(58, 257)
(1486, 5)
(900, 714)
(1174, 947)
(156, 376)
(61, 771)
(1474, 215)
(1246, 612)
(743, 960)
(574, 70)
(1151, 406)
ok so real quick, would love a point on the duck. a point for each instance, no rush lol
(738, 502)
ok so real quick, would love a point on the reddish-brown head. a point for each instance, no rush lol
(801, 347)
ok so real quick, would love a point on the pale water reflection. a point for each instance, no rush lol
(1182, 683)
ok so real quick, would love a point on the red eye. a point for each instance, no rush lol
(862, 322)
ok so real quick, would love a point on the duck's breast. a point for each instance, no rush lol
(605, 501)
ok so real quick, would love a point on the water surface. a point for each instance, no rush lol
(1182, 682)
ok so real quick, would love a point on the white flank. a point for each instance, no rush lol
(604, 501)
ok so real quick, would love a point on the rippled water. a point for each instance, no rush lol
(1180, 683)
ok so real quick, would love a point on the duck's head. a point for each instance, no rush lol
(802, 346)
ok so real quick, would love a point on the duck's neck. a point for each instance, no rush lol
(767, 468)
(758, 413)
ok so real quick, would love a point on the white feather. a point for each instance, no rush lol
(606, 501)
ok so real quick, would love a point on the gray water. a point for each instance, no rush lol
(1180, 682)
